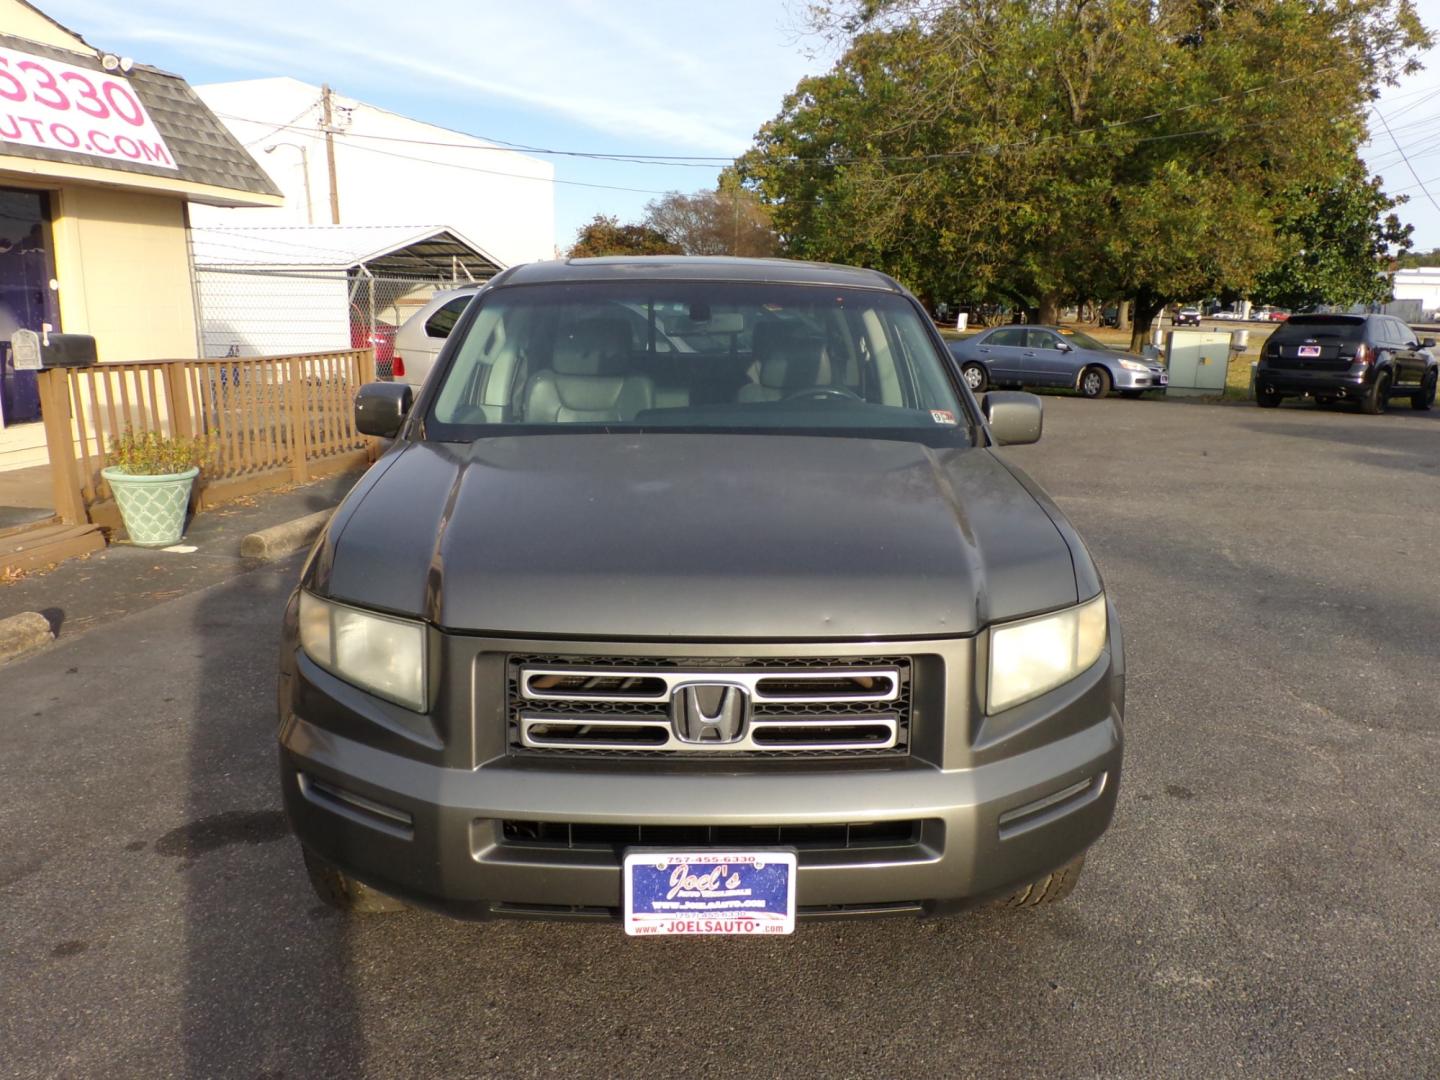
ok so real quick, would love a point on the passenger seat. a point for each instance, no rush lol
(589, 378)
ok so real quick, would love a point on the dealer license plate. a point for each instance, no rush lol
(1306, 352)
(709, 892)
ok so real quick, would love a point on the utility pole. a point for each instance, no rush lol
(327, 124)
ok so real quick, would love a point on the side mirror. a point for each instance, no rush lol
(1015, 418)
(1065, 346)
(380, 408)
(1428, 343)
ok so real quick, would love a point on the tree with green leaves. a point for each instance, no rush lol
(1043, 151)
(1340, 239)
(1411, 260)
(604, 235)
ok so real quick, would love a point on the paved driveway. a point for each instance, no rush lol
(1266, 904)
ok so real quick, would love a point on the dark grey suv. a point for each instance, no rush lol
(704, 637)
(1368, 359)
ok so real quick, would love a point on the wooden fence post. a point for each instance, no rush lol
(297, 421)
(54, 387)
(177, 399)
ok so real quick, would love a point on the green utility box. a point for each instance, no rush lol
(1198, 361)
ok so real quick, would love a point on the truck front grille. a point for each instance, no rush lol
(599, 705)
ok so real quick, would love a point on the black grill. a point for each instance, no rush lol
(899, 708)
(585, 836)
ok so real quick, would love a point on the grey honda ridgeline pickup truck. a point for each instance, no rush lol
(694, 593)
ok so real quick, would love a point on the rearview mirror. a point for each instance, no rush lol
(380, 408)
(1428, 343)
(1065, 346)
(1015, 418)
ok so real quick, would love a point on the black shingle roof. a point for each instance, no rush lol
(204, 150)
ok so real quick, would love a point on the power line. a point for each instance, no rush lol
(1406, 159)
(708, 161)
(514, 176)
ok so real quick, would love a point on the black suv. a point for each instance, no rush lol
(1363, 358)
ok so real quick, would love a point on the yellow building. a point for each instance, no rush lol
(98, 159)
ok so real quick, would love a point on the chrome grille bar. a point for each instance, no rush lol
(657, 686)
(656, 734)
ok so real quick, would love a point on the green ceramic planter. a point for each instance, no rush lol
(153, 506)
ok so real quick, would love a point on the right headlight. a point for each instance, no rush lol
(1031, 656)
(378, 653)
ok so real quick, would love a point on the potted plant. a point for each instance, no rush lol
(151, 475)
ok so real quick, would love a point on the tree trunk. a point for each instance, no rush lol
(1049, 313)
(1147, 306)
(1122, 317)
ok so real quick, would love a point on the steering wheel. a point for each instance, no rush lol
(823, 393)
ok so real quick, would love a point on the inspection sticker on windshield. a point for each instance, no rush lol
(942, 416)
(709, 892)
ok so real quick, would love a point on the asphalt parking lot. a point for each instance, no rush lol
(1265, 905)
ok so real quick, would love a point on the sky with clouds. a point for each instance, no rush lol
(657, 77)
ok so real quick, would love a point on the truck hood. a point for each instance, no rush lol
(695, 536)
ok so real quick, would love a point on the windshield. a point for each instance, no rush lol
(1302, 327)
(1082, 340)
(697, 355)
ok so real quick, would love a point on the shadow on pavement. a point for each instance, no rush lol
(267, 983)
(1379, 441)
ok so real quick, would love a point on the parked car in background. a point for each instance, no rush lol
(1368, 359)
(1053, 356)
(1276, 315)
(1227, 314)
(1189, 316)
(419, 340)
(700, 641)
(380, 336)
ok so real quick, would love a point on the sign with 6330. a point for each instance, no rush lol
(52, 105)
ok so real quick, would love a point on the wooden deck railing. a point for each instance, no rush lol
(272, 420)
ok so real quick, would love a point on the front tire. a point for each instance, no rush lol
(1377, 397)
(342, 892)
(1050, 889)
(975, 377)
(1094, 382)
(1422, 401)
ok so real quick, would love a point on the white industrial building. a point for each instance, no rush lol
(389, 169)
(1420, 283)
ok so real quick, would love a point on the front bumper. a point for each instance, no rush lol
(1124, 379)
(1019, 800)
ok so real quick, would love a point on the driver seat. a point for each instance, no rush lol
(788, 359)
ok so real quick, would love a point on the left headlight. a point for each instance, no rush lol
(1031, 656)
(378, 653)
(1134, 365)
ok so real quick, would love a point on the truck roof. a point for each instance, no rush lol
(697, 268)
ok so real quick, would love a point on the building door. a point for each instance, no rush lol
(26, 302)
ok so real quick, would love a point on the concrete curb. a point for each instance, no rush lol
(23, 633)
(286, 538)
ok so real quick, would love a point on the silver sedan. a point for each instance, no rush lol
(1053, 356)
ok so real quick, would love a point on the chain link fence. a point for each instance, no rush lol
(277, 312)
